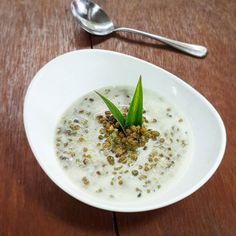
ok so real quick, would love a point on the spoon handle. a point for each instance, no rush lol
(192, 49)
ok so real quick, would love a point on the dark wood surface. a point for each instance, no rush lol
(33, 32)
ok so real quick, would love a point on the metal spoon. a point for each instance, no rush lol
(94, 20)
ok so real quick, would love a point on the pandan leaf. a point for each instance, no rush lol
(135, 112)
(114, 110)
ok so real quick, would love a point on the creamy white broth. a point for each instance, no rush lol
(87, 166)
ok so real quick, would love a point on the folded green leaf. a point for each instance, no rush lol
(114, 110)
(135, 113)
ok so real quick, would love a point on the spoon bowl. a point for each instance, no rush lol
(93, 19)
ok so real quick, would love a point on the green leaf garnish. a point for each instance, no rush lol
(114, 110)
(135, 113)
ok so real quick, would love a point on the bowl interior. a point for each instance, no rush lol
(63, 80)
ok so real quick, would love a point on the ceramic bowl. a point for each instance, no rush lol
(67, 77)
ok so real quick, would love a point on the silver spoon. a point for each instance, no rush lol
(94, 20)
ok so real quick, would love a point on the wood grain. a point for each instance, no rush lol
(32, 33)
(212, 209)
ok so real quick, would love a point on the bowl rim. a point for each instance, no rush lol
(108, 207)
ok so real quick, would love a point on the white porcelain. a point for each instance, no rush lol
(64, 79)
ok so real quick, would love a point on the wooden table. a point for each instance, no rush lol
(34, 32)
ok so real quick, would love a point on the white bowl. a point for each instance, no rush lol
(64, 79)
